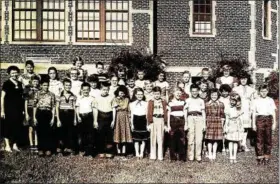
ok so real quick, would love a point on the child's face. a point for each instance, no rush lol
(177, 94)
(29, 68)
(14, 74)
(181, 85)
(214, 96)
(205, 74)
(140, 75)
(149, 87)
(203, 87)
(121, 94)
(45, 86)
(243, 81)
(52, 74)
(194, 92)
(226, 73)
(156, 95)
(233, 102)
(67, 86)
(225, 93)
(74, 74)
(104, 90)
(93, 85)
(161, 77)
(263, 93)
(139, 95)
(85, 91)
(79, 64)
(99, 69)
(186, 78)
(121, 74)
(131, 83)
(114, 81)
(35, 83)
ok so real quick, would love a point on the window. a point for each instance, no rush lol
(266, 19)
(38, 20)
(202, 17)
(102, 21)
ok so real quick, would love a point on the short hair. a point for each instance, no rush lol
(205, 69)
(203, 81)
(245, 75)
(53, 68)
(92, 78)
(148, 82)
(164, 74)
(135, 92)
(114, 76)
(78, 58)
(14, 68)
(35, 77)
(194, 86)
(45, 79)
(236, 97)
(85, 84)
(156, 89)
(104, 84)
(263, 86)
(225, 87)
(73, 68)
(214, 90)
(123, 89)
(186, 72)
(99, 63)
(141, 70)
(29, 62)
(66, 80)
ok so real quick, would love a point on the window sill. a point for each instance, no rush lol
(203, 35)
(267, 38)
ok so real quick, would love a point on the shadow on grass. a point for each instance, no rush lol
(7, 172)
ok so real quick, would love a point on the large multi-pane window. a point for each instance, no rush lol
(38, 20)
(102, 20)
(202, 16)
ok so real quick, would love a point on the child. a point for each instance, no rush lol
(140, 82)
(157, 120)
(44, 112)
(76, 84)
(234, 125)
(138, 109)
(130, 86)
(78, 63)
(55, 85)
(66, 115)
(176, 124)
(186, 78)
(264, 121)
(122, 134)
(30, 92)
(195, 110)
(226, 78)
(114, 85)
(161, 82)
(205, 77)
(26, 77)
(214, 123)
(181, 85)
(121, 76)
(203, 92)
(247, 94)
(102, 77)
(148, 90)
(84, 111)
(103, 118)
(93, 81)
(225, 90)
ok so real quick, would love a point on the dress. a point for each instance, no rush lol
(122, 133)
(14, 107)
(214, 114)
(234, 126)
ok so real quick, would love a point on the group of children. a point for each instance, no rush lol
(101, 113)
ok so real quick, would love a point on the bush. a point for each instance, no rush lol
(273, 84)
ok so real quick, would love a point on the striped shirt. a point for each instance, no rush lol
(67, 103)
(177, 107)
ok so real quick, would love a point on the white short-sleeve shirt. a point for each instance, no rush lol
(195, 104)
(139, 108)
(85, 104)
(76, 87)
(264, 106)
(140, 83)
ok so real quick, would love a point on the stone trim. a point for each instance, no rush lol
(269, 37)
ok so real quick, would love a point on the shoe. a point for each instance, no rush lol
(41, 153)
(16, 149)
(35, 149)
(58, 150)
(48, 153)
(247, 149)
(102, 155)
(8, 150)
(110, 156)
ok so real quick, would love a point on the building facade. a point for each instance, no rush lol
(189, 34)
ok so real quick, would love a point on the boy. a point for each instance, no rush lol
(30, 92)
(186, 78)
(264, 121)
(157, 120)
(76, 84)
(195, 123)
(130, 86)
(140, 82)
(66, 117)
(102, 77)
(103, 114)
(148, 91)
(93, 81)
(44, 112)
(84, 111)
(203, 92)
(114, 85)
(205, 76)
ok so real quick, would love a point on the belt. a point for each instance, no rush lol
(44, 108)
(263, 116)
(180, 117)
(158, 115)
(194, 113)
(85, 114)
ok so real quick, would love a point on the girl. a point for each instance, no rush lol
(161, 82)
(138, 109)
(176, 124)
(186, 78)
(78, 63)
(122, 134)
(55, 85)
(93, 81)
(148, 90)
(204, 93)
(26, 77)
(12, 107)
(44, 112)
(247, 95)
(234, 125)
(114, 85)
(140, 82)
(214, 122)
(226, 78)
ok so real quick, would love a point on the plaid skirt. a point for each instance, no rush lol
(214, 128)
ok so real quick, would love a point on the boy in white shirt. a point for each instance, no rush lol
(264, 121)
(76, 84)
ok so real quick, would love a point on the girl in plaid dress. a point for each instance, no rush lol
(214, 123)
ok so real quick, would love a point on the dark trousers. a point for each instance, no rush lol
(85, 132)
(105, 132)
(44, 130)
(264, 137)
(67, 128)
(177, 138)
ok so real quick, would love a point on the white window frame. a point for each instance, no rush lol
(213, 23)
(269, 22)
